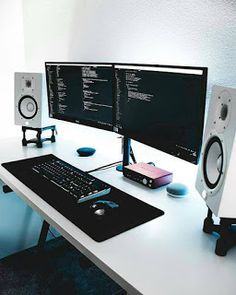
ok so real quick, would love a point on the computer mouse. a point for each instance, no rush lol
(102, 208)
(86, 151)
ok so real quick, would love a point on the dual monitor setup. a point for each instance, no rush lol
(160, 106)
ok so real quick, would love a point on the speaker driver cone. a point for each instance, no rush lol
(28, 107)
(213, 162)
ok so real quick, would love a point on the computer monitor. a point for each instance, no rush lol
(81, 93)
(162, 106)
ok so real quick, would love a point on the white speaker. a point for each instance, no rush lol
(31, 106)
(216, 178)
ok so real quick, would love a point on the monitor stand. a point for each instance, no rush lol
(127, 153)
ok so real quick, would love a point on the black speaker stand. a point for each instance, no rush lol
(38, 140)
(226, 229)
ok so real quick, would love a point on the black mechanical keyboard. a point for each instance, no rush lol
(78, 184)
(49, 174)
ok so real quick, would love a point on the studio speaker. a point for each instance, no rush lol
(31, 108)
(216, 178)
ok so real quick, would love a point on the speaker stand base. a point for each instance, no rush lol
(226, 229)
(38, 140)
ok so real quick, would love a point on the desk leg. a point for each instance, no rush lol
(6, 189)
(43, 235)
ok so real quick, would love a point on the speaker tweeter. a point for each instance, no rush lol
(223, 111)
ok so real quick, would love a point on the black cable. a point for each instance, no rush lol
(132, 155)
(114, 164)
(104, 167)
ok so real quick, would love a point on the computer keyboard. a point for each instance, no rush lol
(79, 185)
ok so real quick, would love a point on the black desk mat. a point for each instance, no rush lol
(131, 212)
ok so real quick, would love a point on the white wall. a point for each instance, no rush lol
(11, 60)
(198, 32)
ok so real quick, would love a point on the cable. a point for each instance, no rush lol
(114, 164)
(104, 167)
(132, 155)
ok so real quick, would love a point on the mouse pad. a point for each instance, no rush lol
(130, 213)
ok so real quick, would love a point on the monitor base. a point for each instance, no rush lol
(119, 168)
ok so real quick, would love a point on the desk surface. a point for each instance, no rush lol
(167, 255)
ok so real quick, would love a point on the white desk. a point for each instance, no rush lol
(168, 255)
